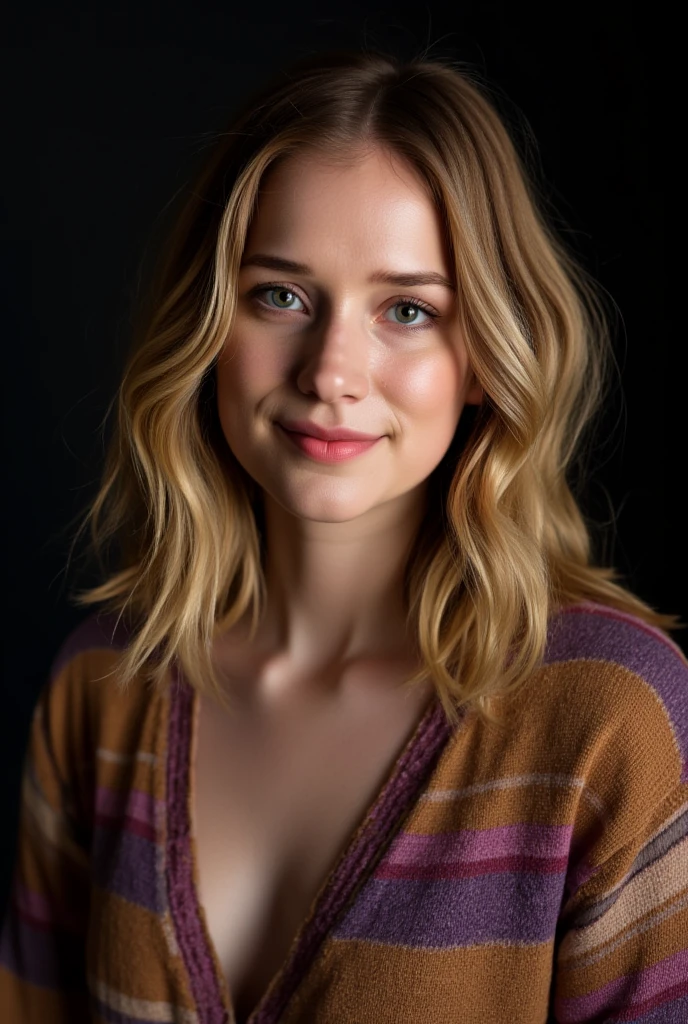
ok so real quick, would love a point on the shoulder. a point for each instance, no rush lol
(605, 717)
(594, 632)
(83, 703)
(84, 669)
(100, 632)
(92, 739)
(620, 677)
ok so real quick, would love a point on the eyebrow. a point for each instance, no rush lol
(379, 277)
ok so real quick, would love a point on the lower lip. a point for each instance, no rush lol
(327, 451)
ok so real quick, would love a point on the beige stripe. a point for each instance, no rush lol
(145, 1009)
(662, 828)
(650, 922)
(517, 782)
(52, 825)
(114, 757)
(170, 937)
(655, 885)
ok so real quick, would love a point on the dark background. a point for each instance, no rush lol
(109, 109)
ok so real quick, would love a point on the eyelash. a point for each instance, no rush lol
(404, 301)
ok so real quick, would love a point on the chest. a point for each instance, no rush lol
(276, 799)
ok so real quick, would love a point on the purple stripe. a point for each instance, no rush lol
(592, 607)
(588, 632)
(49, 958)
(125, 864)
(102, 631)
(675, 1012)
(510, 908)
(649, 989)
(540, 841)
(183, 898)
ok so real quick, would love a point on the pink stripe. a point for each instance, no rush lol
(130, 825)
(670, 995)
(537, 841)
(581, 874)
(472, 869)
(133, 809)
(134, 803)
(644, 985)
(37, 911)
(32, 903)
(37, 924)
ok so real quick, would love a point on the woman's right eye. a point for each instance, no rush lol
(285, 296)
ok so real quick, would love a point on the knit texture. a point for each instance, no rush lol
(532, 875)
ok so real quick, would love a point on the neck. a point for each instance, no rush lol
(335, 591)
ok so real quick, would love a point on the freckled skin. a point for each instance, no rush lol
(338, 351)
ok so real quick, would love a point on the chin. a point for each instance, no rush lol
(330, 502)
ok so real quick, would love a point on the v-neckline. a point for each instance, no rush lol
(366, 844)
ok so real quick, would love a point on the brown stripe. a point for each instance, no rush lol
(361, 983)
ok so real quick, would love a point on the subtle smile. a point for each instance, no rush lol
(326, 451)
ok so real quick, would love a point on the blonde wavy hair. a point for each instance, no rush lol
(503, 544)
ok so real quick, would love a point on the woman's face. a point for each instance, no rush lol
(332, 343)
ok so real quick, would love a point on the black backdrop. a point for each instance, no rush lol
(110, 108)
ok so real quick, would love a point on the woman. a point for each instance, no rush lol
(359, 733)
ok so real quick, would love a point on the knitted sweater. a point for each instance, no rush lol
(537, 874)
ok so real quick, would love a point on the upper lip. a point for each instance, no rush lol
(333, 434)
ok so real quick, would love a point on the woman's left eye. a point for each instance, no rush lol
(411, 307)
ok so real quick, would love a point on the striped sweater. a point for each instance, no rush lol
(537, 874)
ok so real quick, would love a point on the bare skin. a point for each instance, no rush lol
(321, 715)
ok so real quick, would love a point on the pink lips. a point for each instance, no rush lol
(326, 433)
(327, 451)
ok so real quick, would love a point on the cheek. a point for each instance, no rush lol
(242, 377)
(246, 369)
(429, 389)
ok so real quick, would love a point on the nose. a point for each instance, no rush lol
(335, 364)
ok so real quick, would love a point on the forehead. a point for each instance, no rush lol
(375, 165)
(373, 204)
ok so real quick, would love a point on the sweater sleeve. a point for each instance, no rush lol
(43, 936)
(621, 952)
